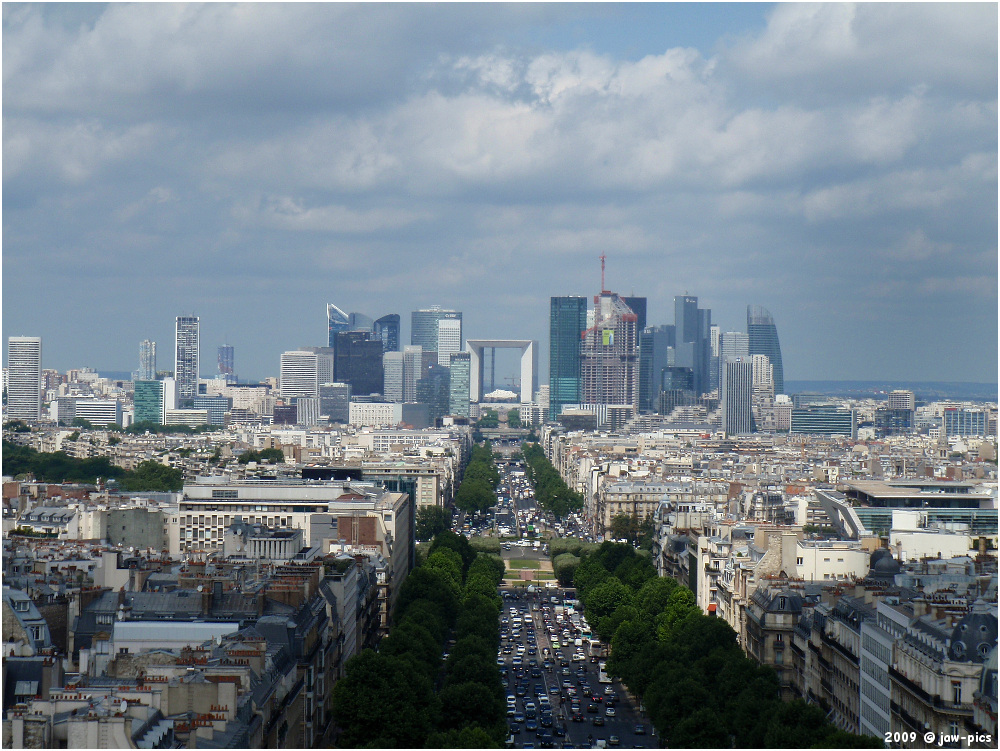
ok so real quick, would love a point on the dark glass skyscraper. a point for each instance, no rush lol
(386, 328)
(226, 362)
(638, 306)
(764, 341)
(567, 322)
(694, 344)
(358, 361)
(654, 345)
(336, 321)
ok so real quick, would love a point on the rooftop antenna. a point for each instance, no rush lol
(604, 289)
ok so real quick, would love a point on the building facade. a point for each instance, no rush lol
(187, 358)
(567, 322)
(24, 378)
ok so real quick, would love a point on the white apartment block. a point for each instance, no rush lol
(299, 374)
(375, 414)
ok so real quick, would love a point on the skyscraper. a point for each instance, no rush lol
(424, 326)
(299, 374)
(638, 306)
(655, 345)
(461, 383)
(609, 357)
(449, 339)
(335, 402)
(737, 395)
(392, 369)
(24, 378)
(567, 322)
(434, 390)
(148, 399)
(336, 321)
(359, 322)
(763, 336)
(226, 369)
(187, 358)
(693, 349)
(732, 344)
(412, 371)
(147, 360)
(359, 362)
(386, 328)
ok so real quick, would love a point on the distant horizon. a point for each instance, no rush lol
(835, 163)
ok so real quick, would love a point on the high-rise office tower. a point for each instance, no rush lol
(187, 358)
(638, 306)
(148, 399)
(737, 395)
(693, 349)
(901, 399)
(24, 378)
(461, 383)
(325, 360)
(434, 390)
(386, 328)
(763, 336)
(655, 344)
(335, 402)
(359, 362)
(412, 371)
(715, 366)
(567, 322)
(336, 321)
(299, 374)
(147, 361)
(359, 322)
(392, 369)
(424, 326)
(732, 344)
(226, 358)
(609, 356)
(763, 394)
(449, 340)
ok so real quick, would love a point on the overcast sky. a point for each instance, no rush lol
(250, 163)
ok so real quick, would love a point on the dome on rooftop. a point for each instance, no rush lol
(975, 636)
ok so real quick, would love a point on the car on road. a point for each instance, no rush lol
(609, 712)
(640, 730)
(599, 721)
(614, 740)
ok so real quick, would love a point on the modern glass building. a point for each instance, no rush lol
(358, 361)
(424, 326)
(336, 321)
(215, 406)
(392, 370)
(461, 382)
(654, 345)
(148, 401)
(335, 402)
(567, 322)
(824, 420)
(226, 357)
(147, 360)
(386, 328)
(763, 336)
(187, 358)
(434, 390)
(694, 340)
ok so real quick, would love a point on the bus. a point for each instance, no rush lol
(602, 673)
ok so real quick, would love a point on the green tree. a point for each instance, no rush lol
(514, 418)
(625, 527)
(432, 520)
(471, 736)
(604, 598)
(474, 496)
(381, 702)
(469, 703)
(153, 476)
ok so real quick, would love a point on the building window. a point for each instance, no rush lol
(798, 561)
(956, 692)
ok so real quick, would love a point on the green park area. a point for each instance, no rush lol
(522, 563)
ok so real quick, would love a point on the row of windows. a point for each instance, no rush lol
(881, 651)
(875, 696)
(875, 672)
(874, 719)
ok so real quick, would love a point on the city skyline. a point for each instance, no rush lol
(835, 164)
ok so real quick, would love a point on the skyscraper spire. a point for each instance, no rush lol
(604, 290)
